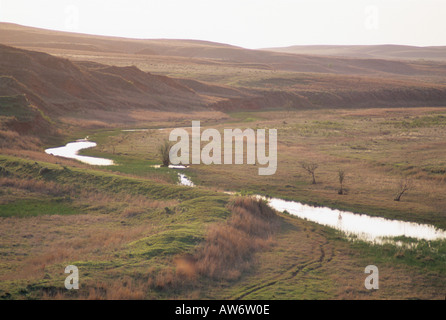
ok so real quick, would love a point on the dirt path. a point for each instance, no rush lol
(316, 252)
(306, 262)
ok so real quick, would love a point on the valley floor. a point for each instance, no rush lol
(135, 234)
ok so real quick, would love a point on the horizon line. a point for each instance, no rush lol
(214, 41)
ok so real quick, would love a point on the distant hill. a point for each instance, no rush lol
(393, 52)
(309, 59)
(59, 86)
(87, 86)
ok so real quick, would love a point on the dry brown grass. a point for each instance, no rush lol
(126, 205)
(65, 239)
(38, 186)
(229, 247)
(12, 139)
(125, 288)
(39, 155)
(168, 117)
(43, 241)
(226, 252)
(371, 145)
(88, 124)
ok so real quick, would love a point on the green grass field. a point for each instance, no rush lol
(135, 234)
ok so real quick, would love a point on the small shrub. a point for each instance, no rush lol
(3, 172)
(341, 176)
(43, 171)
(163, 152)
(229, 247)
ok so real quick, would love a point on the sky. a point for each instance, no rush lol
(246, 23)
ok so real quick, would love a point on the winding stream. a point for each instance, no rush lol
(71, 150)
(371, 229)
(361, 226)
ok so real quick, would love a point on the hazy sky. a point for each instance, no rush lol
(246, 23)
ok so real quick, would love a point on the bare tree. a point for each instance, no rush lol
(310, 167)
(404, 185)
(163, 152)
(341, 176)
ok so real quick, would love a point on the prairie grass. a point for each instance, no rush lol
(227, 250)
(12, 139)
(38, 155)
(125, 288)
(38, 186)
(50, 240)
(137, 236)
(374, 154)
(229, 247)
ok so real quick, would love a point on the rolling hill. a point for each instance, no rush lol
(59, 86)
(285, 59)
(85, 76)
(135, 233)
(393, 52)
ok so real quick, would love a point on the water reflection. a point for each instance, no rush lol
(184, 180)
(364, 227)
(70, 150)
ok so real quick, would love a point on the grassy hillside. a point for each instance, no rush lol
(130, 222)
(134, 233)
(201, 52)
(134, 238)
